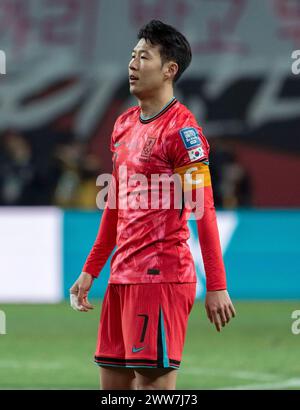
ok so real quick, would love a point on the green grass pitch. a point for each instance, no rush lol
(51, 347)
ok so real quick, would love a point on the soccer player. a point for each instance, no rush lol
(152, 284)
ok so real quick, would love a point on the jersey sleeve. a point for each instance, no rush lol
(107, 233)
(104, 243)
(189, 154)
(187, 146)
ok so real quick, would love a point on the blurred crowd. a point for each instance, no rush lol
(230, 180)
(62, 172)
(58, 172)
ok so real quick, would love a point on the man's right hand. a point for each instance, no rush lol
(79, 292)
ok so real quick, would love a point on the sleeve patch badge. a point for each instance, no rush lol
(190, 137)
(196, 154)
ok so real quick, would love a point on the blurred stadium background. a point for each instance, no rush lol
(65, 84)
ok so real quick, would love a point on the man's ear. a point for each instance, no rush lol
(171, 70)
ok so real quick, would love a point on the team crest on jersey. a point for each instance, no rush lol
(190, 137)
(196, 154)
(147, 149)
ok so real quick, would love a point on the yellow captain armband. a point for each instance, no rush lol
(194, 176)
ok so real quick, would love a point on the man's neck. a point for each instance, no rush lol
(152, 106)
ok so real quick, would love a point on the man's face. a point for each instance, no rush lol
(146, 66)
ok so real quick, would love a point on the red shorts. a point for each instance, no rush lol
(144, 325)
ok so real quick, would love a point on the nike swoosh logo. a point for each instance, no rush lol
(117, 144)
(137, 349)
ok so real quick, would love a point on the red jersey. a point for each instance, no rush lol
(152, 242)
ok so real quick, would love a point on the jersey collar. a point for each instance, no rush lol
(170, 104)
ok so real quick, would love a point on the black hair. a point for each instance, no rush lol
(173, 45)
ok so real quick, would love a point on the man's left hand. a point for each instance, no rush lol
(219, 308)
